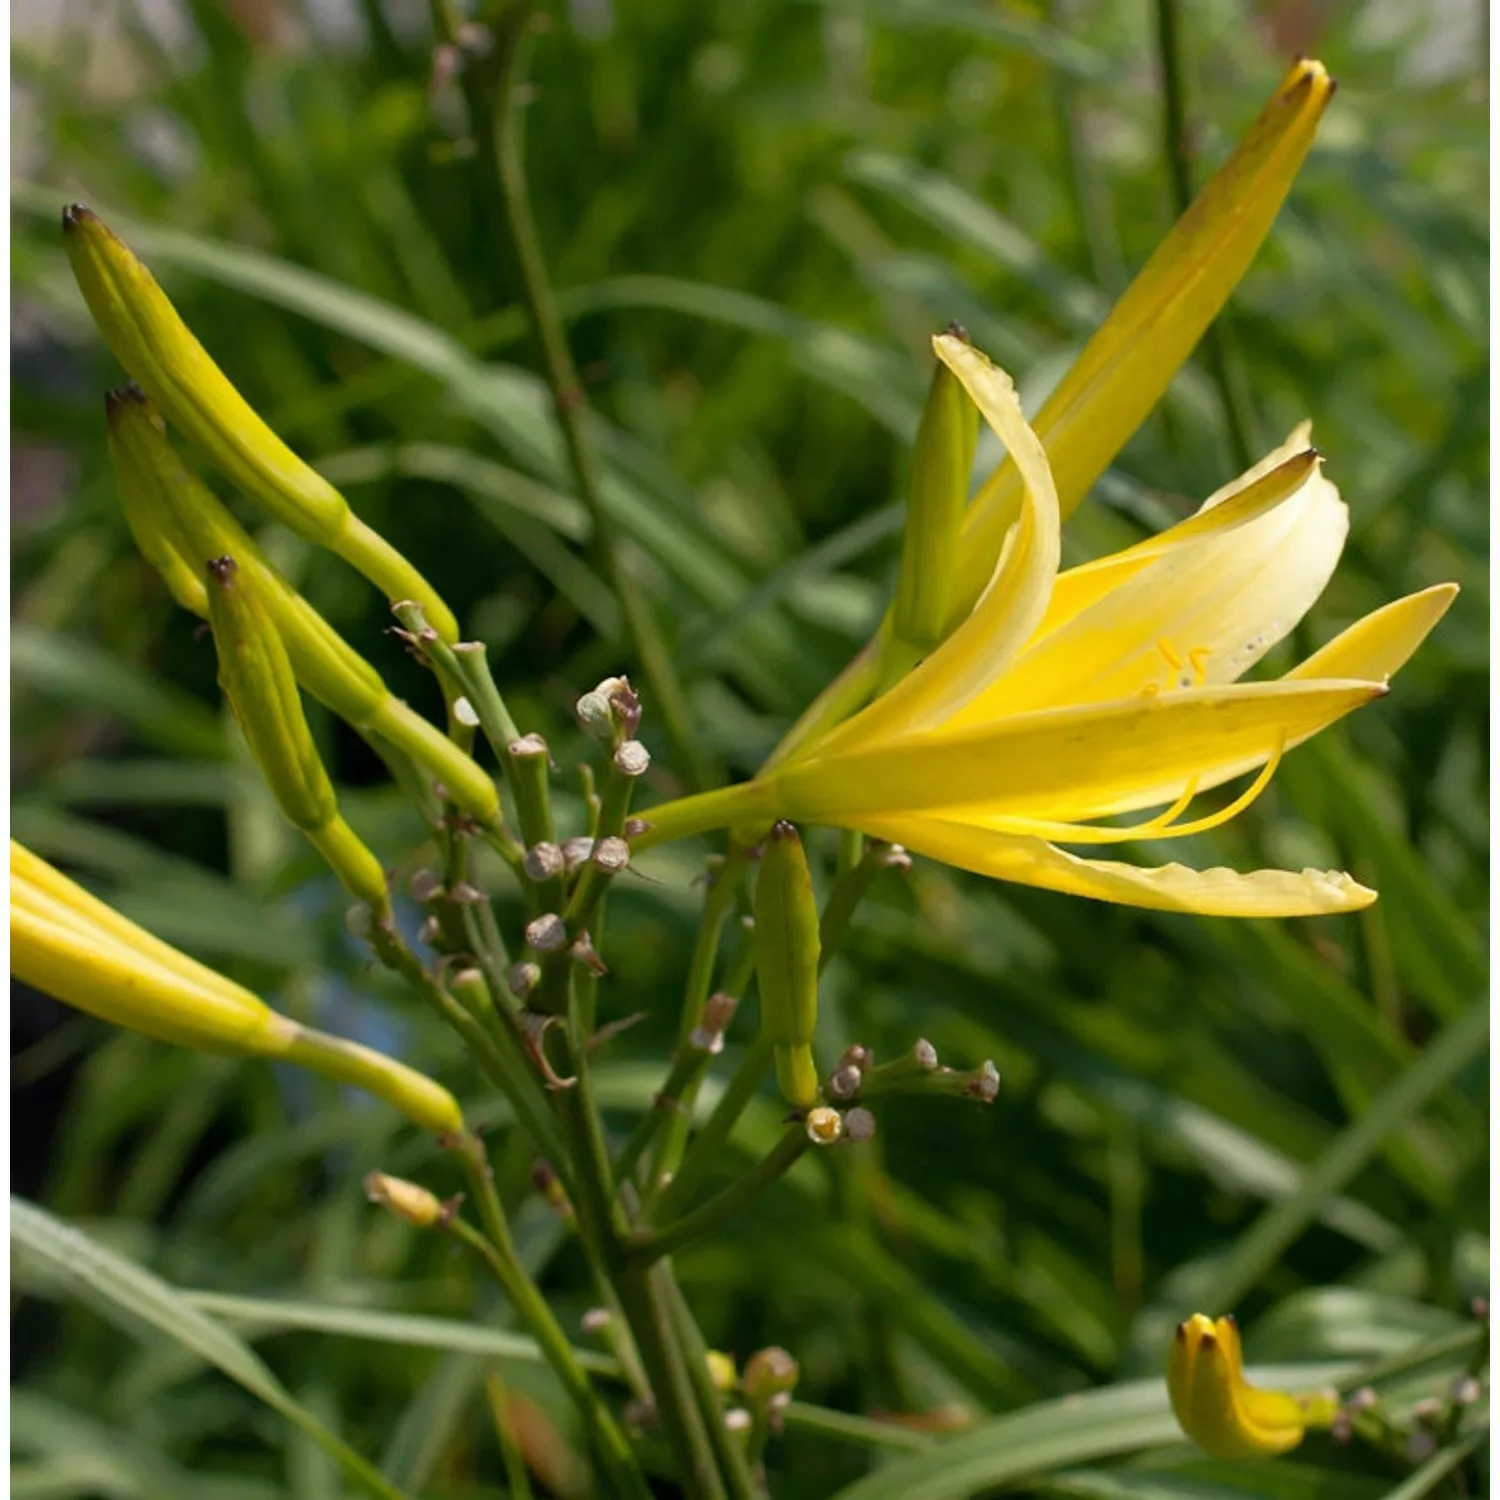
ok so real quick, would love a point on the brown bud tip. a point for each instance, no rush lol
(845, 1082)
(635, 827)
(75, 214)
(957, 330)
(785, 830)
(222, 569)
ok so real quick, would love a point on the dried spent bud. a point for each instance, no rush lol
(985, 1085)
(610, 710)
(593, 712)
(635, 827)
(611, 855)
(632, 759)
(575, 851)
(1466, 1390)
(547, 933)
(737, 1419)
(1362, 1400)
(859, 1125)
(857, 1056)
(824, 1126)
(404, 1199)
(582, 951)
(769, 1372)
(1420, 1446)
(1428, 1409)
(595, 1321)
(425, 886)
(924, 1053)
(522, 978)
(464, 894)
(528, 747)
(844, 1084)
(894, 857)
(1341, 1430)
(430, 931)
(544, 861)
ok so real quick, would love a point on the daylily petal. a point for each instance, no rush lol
(1071, 763)
(1197, 614)
(1376, 647)
(1079, 587)
(1028, 861)
(1131, 360)
(1016, 600)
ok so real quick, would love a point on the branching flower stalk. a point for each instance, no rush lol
(1004, 710)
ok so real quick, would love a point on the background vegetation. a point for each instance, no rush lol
(756, 214)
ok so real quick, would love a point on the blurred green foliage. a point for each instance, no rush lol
(755, 215)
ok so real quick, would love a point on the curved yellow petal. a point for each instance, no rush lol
(1016, 599)
(1201, 613)
(1070, 763)
(1077, 588)
(1030, 861)
(1376, 647)
(1130, 361)
(1298, 440)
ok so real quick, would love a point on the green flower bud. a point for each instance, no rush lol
(786, 962)
(936, 499)
(256, 675)
(156, 347)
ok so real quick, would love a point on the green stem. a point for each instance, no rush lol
(711, 1140)
(1224, 368)
(498, 124)
(718, 903)
(752, 803)
(498, 1251)
(725, 1205)
(728, 1450)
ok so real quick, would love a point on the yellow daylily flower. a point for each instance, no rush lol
(1113, 687)
(1220, 1410)
(75, 947)
(1127, 365)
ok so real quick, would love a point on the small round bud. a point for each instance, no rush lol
(737, 1419)
(463, 712)
(522, 978)
(543, 861)
(1362, 1399)
(405, 1199)
(1466, 1390)
(925, 1053)
(635, 827)
(632, 759)
(1428, 1409)
(986, 1085)
(721, 1371)
(425, 886)
(465, 894)
(611, 855)
(824, 1125)
(845, 1082)
(528, 747)
(595, 1321)
(1420, 1446)
(859, 1125)
(547, 933)
(575, 851)
(894, 857)
(593, 712)
(769, 1372)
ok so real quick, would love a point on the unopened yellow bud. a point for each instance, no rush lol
(936, 498)
(196, 526)
(407, 1200)
(162, 356)
(721, 1371)
(72, 946)
(786, 962)
(1220, 1411)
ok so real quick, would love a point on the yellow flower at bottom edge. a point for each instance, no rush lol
(76, 948)
(1065, 698)
(1220, 1410)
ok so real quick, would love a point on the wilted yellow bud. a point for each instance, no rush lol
(186, 520)
(256, 675)
(77, 949)
(786, 962)
(1220, 1411)
(407, 1200)
(936, 498)
(159, 351)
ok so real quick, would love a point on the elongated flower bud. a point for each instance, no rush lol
(1220, 1411)
(185, 518)
(75, 948)
(786, 962)
(156, 347)
(936, 498)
